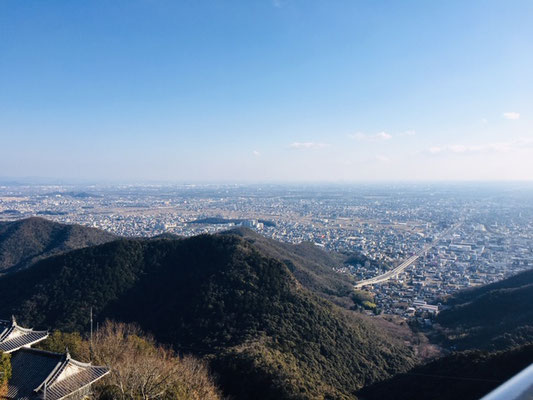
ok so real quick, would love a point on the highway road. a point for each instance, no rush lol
(400, 268)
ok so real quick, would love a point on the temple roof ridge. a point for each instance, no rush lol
(14, 336)
(62, 376)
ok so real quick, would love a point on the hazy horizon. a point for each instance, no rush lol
(87, 183)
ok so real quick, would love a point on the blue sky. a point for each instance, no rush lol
(266, 90)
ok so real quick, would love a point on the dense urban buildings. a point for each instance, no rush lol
(463, 235)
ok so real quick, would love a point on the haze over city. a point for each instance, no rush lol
(266, 91)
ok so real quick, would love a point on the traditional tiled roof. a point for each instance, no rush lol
(37, 371)
(73, 383)
(30, 368)
(13, 337)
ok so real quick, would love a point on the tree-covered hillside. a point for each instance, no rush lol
(265, 334)
(28, 240)
(467, 375)
(490, 317)
(313, 267)
(494, 316)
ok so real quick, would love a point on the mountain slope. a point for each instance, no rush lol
(494, 316)
(513, 282)
(266, 335)
(25, 241)
(467, 375)
(312, 266)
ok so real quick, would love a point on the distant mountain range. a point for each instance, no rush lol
(26, 241)
(223, 297)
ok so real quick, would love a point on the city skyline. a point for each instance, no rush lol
(266, 91)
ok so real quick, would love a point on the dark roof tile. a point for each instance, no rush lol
(32, 367)
(13, 337)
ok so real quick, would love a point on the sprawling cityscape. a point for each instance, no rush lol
(426, 241)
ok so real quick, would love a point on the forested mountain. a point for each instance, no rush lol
(258, 310)
(494, 323)
(220, 297)
(313, 267)
(25, 241)
(467, 375)
(495, 316)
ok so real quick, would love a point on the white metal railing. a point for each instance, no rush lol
(519, 387)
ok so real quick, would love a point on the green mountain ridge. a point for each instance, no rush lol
(495, 316)
(466, 375)
(492, 324)
(313, 267)
(23, 242)
(266, 335)
(261, 312)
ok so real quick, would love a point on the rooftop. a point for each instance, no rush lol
(36, 372)
(14, 337)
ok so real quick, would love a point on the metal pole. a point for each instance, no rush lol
(91, 338)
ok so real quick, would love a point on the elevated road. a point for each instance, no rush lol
(400, 268)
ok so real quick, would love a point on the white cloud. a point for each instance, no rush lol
(256, 153)
(383, 136)
(382, 158)
(307, 145)
(375, 137)
(408, 133)
(511, 115)
(499, 147)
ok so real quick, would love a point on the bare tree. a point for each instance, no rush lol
(140, 369)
